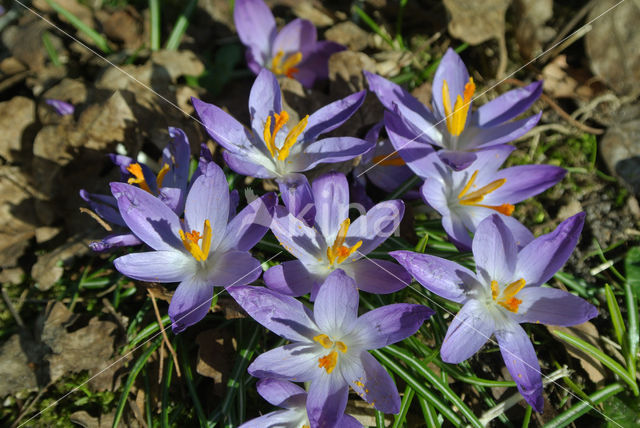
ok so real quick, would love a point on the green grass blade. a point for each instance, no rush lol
(632, 322)
(419, 387)
(379, 419)
(97, 38)
(579, 409)
(430, 416)
(604, 359)
(527, 417)
(401, 417)
(374, 27)
(180, 27)
(166, 384)
(407, 185)
(616, 315)
(140, 362)
(154, 17)
(188, 377)
(148, 331)
(51, 50)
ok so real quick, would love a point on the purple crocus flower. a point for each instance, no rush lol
(465, 198)
(293, 52)
(273, 150)
(293, 398)
(329, 346)
(63, 108)
(332, 242)
(452, 125)
(504, 292)
(203, 251)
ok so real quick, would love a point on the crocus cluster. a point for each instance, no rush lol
(190, 233)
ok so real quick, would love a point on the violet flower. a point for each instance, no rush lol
(504, 292)
(452, 125)
(63, 108)
(332, 242)
(273, 150)
(293, 52)
(169, 185)
(293, 398)
(329, 346)
(465, 198)
(201, 252)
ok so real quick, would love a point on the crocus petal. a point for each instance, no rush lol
(327, 400)
(494, 250)
(487, 137)
(509, 105)
(296, 362)
(390, 324)
(332, 115)
(469, 330)
(190, 303)
(255, 23)
(156, 266)
(371, 381)
(104, 206)
(331, 197)
(177, 154)
(406, 143)
(377, 276)
(277, 391)
(291, 278)
(440, 276)
(115, 241)
(241, 165)
(279, 418)
(329, 150)
(283, 315)
(521, 361)
(147, 217)
(315, 64)
(553, 306)
(208, 199)
(336, 304)
(297, 196)
(521, 234)
(302, 241)
(222, 127)
(249, 226)
(376, 225)
(524, 181)
(295, 37)
(390, 93)
(265, 99)
(457, 160)
(172, 197)
(545, 255)
(63, 108)
(234, 268)
(453, 70)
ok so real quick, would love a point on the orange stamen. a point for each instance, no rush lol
(474, 198)
(138, 177)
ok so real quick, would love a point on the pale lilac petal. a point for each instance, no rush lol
(234, 268)
(303, 242)
(377, 276)
(247, 228)
(147, 217)
(375, 226)
(488, 137)
(488, 161)
(329, 150)
(234, 200)
(349, 421)
(507, 106)
(177, 154)
(457, 160)
(521, 361)
(371, 381)
(173, 197)
(208, 199)
(283, 315)
(315, 62)
(190, 303)
(336, 304)
(156, 266)
(390, 93)
(521, 234)
(332, 115)
(327, 400)
(297, 196)
(545, 255)
(295, 37)
(415, 153)
(241, 165)
(265, 99)
(255, 23)
(469, 330)
(457, 232)
(115, 241)
(453, 70)
(63, 108)
(223, 128)
(291, 278)
(103, 205)
(523, 182)
(331, 197)
(440, 276)
(494, 251)
(278, 392)
(297, 362)
(277, 419)
(543, 305)
(390, 324)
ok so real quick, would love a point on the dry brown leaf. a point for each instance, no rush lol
(16, 115)
(178, 63)
(475, 21)
(589, 333)
(620, 147)
(126, 26)
(531, 32)
(17, 370)
(348, 34)
(25, 43)
(216, 356)
(49, 267)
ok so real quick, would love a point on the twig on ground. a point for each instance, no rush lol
(97, 218)
(26, 408)
(164, 336)
(14, 313)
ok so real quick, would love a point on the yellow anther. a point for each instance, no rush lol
(495, 290)
(328, 362)
(291, 138)
(474, 198)
(190, 242)
(513, 288)
(457, 118)
(323, 340)
(288, 68)
(161, 174)
(338, 251)
(508, 300)
(138, 177)
(341, 346)
(392, 159)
